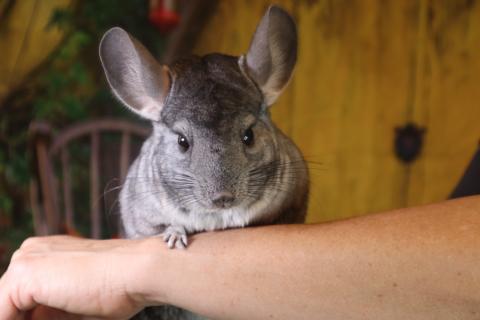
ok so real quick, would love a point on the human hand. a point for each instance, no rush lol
(96, 278)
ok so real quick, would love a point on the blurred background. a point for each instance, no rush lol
(384, 103)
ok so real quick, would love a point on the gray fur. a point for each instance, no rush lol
(272, 54)
(212, 101)
(136, 79)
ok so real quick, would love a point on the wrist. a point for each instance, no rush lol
(149, 273)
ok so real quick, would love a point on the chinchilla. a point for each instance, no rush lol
(214, 159)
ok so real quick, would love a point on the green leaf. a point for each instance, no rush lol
(6, 204)
(75, 42)
(78, 73)
(74, 109)
(60, 18)
(17, 170)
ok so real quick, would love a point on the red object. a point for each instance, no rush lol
(163, 16)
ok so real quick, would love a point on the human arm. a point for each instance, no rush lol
(420, 263)
(417, 263)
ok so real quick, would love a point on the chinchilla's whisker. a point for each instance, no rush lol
(190, 201)
(187, 199)
(101, 199)
(138, 196)
(105, 191)
(112, 206)
(108, 190)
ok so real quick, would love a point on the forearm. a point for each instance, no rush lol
(420, 263)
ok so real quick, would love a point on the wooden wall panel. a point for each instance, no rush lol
(366, 67)
(25, 40)
(351, 89)
(448, 97)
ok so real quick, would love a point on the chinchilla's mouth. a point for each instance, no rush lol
(219, 202)
(217, 209)
(211, 208)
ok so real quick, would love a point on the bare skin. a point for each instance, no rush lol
(417, 263)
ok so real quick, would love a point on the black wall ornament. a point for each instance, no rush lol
(408, 142)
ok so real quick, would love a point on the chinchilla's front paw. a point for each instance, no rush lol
(175, 237)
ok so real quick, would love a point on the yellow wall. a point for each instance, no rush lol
(364, 68)
(25, 41)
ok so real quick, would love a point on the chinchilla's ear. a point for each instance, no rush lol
(271, 57)
(135, 77)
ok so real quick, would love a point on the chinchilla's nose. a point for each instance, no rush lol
(223, 199)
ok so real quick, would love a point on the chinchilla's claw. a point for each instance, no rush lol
(179, 244)
(175, 237)
(171, 242)
(185, 240)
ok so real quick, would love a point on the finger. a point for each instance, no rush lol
(68, 243)
(47, 313)
(34, 244)
(34, 241)
(8, 310)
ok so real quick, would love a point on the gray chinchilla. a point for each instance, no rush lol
(214, 160)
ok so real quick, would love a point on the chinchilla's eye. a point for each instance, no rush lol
(248, 137)
(183, 143)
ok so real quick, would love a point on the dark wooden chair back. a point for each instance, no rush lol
(51, 196)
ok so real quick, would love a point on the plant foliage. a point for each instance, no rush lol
(67, 88)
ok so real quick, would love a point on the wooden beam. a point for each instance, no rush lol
(194, 17)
